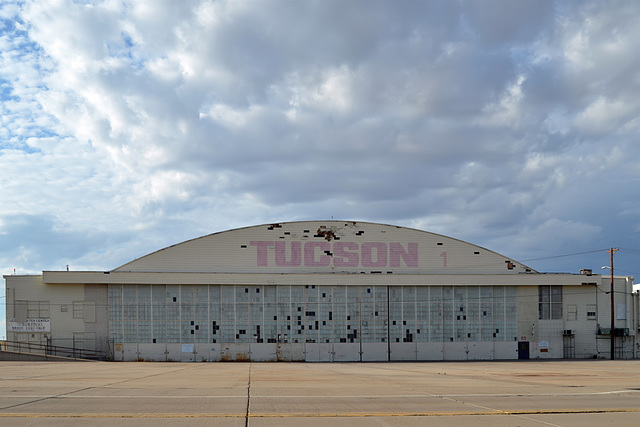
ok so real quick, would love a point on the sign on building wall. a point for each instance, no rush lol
(338, 254)
(31, 325)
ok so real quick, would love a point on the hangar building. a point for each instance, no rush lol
(324, 291)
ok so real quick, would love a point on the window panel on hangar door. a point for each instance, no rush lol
(325, 323)
(409, 313)
(115, 313)
(473, 313)
(158, 307)
(228, 313)
(201, 306)
(447, 313)
(129, 299)
(380, 313)
(422, 314)
(144, 313)
(339, 314)
(460, 314)
(353, 297)
(511, 313)
(173, 313)
(214, 313)
(435, 313)
(256, 314)
(486, 313)
(498, 313)
(270, 315)
(283, 298)
(187, 314)
(310, 313)
(242, 315)
(367, 314)
(395, 314)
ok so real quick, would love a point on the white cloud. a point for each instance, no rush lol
(604, 117)
(507, 110)
(126, 127)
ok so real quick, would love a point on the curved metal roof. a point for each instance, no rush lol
(326, 247)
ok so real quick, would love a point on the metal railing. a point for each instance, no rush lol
(54, 350)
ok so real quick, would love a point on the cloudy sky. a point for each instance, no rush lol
(127, 126)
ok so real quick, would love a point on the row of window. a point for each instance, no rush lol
(572, 312)
(42, 309)
(145, 313)
(550, 305)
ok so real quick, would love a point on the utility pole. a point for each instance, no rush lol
(613, 317)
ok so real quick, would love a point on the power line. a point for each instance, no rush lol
(630, 250)
(565, 255)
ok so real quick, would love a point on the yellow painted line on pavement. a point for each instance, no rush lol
(311, 396)
(313, 415)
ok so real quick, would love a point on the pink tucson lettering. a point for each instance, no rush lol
(261, 252)
(367, 254)
(281, 257)
(410, 257)
(310, 259)
(342, 254)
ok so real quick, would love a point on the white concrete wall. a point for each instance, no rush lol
(60, 299)
(625, 317)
